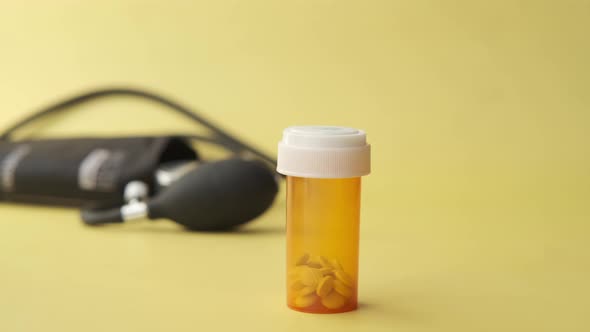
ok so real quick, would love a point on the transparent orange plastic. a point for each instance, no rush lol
(322, 244)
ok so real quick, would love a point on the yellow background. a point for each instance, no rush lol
(475, 217)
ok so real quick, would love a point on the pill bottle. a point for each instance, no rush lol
(323, 165)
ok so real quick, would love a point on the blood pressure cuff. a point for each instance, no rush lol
(84, 172)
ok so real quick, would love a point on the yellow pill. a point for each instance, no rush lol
(333, 300)
(344, 277)
(310, 277)
(341, 288)
(297, 285)
(300, 268)
(325, 286)
(295, 273)
(306, 291)
(305, 301)
(324, 261)
(303, 259)
(314, 264)
(292, 275)
(336, 265)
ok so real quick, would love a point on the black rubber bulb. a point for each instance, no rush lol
(217, 196)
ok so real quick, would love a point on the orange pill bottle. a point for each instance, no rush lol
(323, 165)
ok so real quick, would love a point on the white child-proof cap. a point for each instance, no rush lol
(324, 152)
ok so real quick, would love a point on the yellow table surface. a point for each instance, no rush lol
(475, 218)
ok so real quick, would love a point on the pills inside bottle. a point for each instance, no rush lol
(324, 166)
